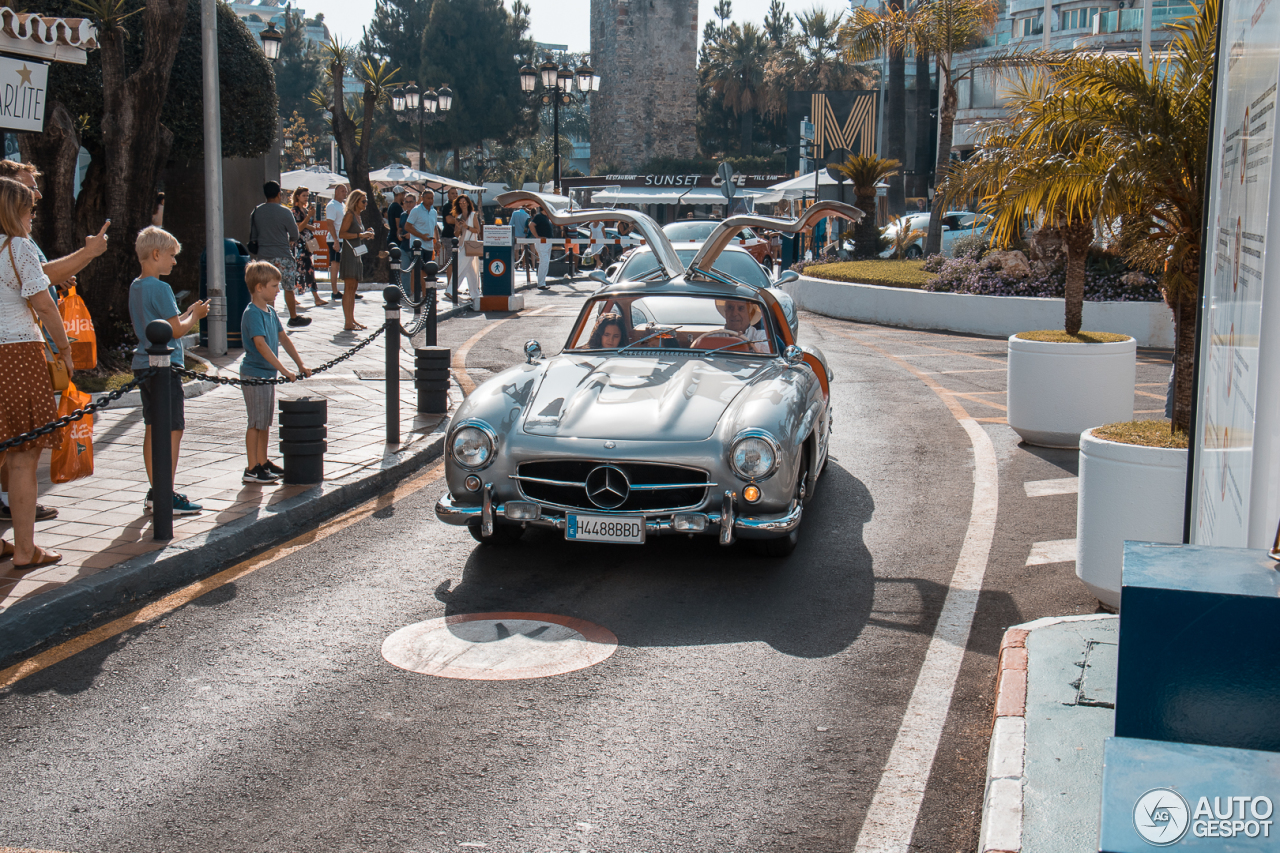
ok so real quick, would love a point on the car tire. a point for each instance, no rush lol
(783, 546)
(913, 252)
(503, 534)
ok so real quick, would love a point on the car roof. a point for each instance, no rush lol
(679, 286)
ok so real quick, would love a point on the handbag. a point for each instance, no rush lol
(252, 245)
(79, 325)
(59, 376)
(472, 248)
(313, 245)
(74, 459)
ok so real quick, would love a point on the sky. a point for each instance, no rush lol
(553, 21)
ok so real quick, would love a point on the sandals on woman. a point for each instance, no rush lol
(6, 550)
(41, 558)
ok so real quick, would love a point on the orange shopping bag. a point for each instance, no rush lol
(79, 326)
(74, 459)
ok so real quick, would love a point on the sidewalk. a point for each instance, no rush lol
(1055, 706)
(104, 533)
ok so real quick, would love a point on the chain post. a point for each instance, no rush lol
(396, 275)
(415, 283)
(159, 333)
(433, 316)
(391, 294)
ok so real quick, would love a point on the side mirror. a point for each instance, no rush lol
(786, 276)
(793, 355)
(612, 271)
(600, 276)
(532, 351)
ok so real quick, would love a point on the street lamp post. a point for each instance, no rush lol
(216, 278)
(421, 109)
(557, 88)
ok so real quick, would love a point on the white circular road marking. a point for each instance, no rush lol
(499, 646)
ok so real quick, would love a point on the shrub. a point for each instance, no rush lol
(966, 275)
(974, 246)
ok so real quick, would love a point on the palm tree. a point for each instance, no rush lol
(735, 70)
(1125, 144)
(865, 173)
(941, 27)
(811, 60)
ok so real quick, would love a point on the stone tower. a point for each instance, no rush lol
(646, 53)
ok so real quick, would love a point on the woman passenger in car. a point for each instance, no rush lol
(609, 333)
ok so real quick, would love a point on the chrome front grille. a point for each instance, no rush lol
(650, 487)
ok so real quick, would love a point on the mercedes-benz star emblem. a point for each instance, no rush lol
(607, 487)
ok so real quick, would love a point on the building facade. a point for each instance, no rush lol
(646, 53)
(1108, 26)
(256, 16)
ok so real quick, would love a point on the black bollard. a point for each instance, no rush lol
(159, 333)
(395, 264)
(391, 294)
(430, 272)
(416, 288)
(431, 379)
(302, 439)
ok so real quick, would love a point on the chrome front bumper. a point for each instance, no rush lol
(745, 527)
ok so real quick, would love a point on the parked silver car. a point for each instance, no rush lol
(679, 404)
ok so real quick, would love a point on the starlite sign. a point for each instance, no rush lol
(23, 91)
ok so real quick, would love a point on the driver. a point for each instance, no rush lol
(740, 317)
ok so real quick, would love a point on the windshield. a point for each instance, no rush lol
(736, 264)
(672, 322)
(697, 231)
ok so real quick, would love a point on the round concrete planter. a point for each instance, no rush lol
(1056, 391)
(1126, 492)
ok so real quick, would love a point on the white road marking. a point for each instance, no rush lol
(1061, 486)
(891, 819)
(1057, 551)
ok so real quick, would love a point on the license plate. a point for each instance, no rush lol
(604, 528)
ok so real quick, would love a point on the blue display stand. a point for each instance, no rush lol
(1188, 798)
(1199, 658)
(496, 274)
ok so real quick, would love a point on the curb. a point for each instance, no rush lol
(1001, 830)
(28, 627)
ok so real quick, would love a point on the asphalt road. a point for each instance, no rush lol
(751, 703)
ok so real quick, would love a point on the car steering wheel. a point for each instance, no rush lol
(719, 338)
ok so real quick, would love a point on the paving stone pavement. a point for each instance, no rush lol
(101, 519)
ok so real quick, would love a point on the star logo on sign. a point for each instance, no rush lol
(25, 74)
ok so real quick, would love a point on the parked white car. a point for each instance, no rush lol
(955, 224)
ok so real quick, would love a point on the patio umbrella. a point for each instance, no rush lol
(400, 174)
(317, 179)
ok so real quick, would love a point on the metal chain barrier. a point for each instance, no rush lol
(280, 380)
(90, 409)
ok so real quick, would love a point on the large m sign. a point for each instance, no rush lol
(839, 119)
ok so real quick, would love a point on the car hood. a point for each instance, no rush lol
(634, 398)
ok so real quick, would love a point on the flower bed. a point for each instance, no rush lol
(967, 275)
(885, 273)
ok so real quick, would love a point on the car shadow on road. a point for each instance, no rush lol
(680, 591)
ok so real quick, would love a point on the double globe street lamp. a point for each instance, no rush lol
(558, 88)
(415, 107)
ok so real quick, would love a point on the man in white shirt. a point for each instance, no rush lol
(422, 225)
(333, 212)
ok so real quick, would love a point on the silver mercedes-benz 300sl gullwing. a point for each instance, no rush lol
(680, 403)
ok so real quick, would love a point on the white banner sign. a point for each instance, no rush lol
(497, 235)
(1237, 423)
(23, 90)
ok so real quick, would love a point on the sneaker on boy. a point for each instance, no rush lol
(260, 474)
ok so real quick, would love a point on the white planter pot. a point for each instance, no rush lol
(1126, 492)
(1056, 391)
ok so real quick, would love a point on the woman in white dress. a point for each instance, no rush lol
(469, 227)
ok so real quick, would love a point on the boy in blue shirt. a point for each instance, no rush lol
(262, 333)
(152, 299)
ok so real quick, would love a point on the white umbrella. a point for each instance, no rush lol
(317, 179)
(400, 174)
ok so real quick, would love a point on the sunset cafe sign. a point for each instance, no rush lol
(23, 94)
(674, 181)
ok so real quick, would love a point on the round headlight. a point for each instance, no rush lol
(472, 447)
(753, 457)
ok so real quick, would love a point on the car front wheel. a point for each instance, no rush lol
(914, 252)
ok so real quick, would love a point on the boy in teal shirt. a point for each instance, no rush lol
(151, 299)
(262, 333)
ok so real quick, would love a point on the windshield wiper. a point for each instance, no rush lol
(651, 335)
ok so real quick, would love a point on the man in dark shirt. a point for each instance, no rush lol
(394, 211)
(540, 224)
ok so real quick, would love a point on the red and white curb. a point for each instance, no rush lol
(1006, 759)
